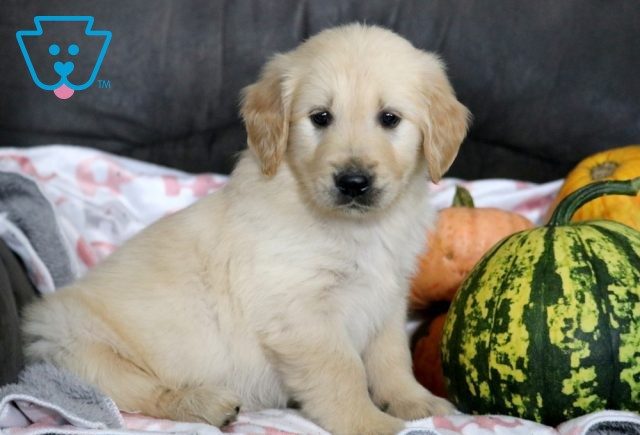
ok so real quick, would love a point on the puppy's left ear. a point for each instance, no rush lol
(265, 109)
(446, 122)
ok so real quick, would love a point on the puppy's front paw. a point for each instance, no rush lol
(364, 422)
(420, 405)
(383, 426)
(214, 406)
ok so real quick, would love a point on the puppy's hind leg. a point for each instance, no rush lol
(134, 388)
(63, 330)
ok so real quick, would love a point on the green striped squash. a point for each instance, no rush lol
(547, 325)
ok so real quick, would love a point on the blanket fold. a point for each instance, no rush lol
(29, 216)
(46, 395)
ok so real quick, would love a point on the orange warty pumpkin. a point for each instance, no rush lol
(615, 164)
(463, 234)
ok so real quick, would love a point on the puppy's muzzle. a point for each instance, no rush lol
(353, 183)
(355, 189)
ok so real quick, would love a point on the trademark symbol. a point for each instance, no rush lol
(104, 84)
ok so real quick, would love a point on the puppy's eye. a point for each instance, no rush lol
(388, 119)
(321, 119)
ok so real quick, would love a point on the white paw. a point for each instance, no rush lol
(370, 422)
(214, 406)
(420, 406)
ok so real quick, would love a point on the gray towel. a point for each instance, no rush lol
(28, 209)
(44, 389)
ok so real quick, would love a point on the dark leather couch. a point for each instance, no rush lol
(548, 81)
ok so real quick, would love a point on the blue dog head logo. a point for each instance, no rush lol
(66, 56)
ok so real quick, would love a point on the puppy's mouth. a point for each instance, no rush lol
(356, 208)
(361, 204)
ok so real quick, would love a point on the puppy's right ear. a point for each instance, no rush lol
(265, 109)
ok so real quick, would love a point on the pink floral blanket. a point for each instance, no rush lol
(100, 200)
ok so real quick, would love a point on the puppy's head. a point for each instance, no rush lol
(356, 112)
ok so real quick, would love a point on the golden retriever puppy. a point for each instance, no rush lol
(291, 282)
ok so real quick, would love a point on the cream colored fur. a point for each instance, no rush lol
(268, 291)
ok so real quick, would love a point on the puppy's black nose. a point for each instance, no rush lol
(353, 183)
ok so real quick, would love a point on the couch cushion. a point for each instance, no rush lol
(548, 82)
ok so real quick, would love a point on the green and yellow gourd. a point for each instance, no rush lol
(547, 325)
